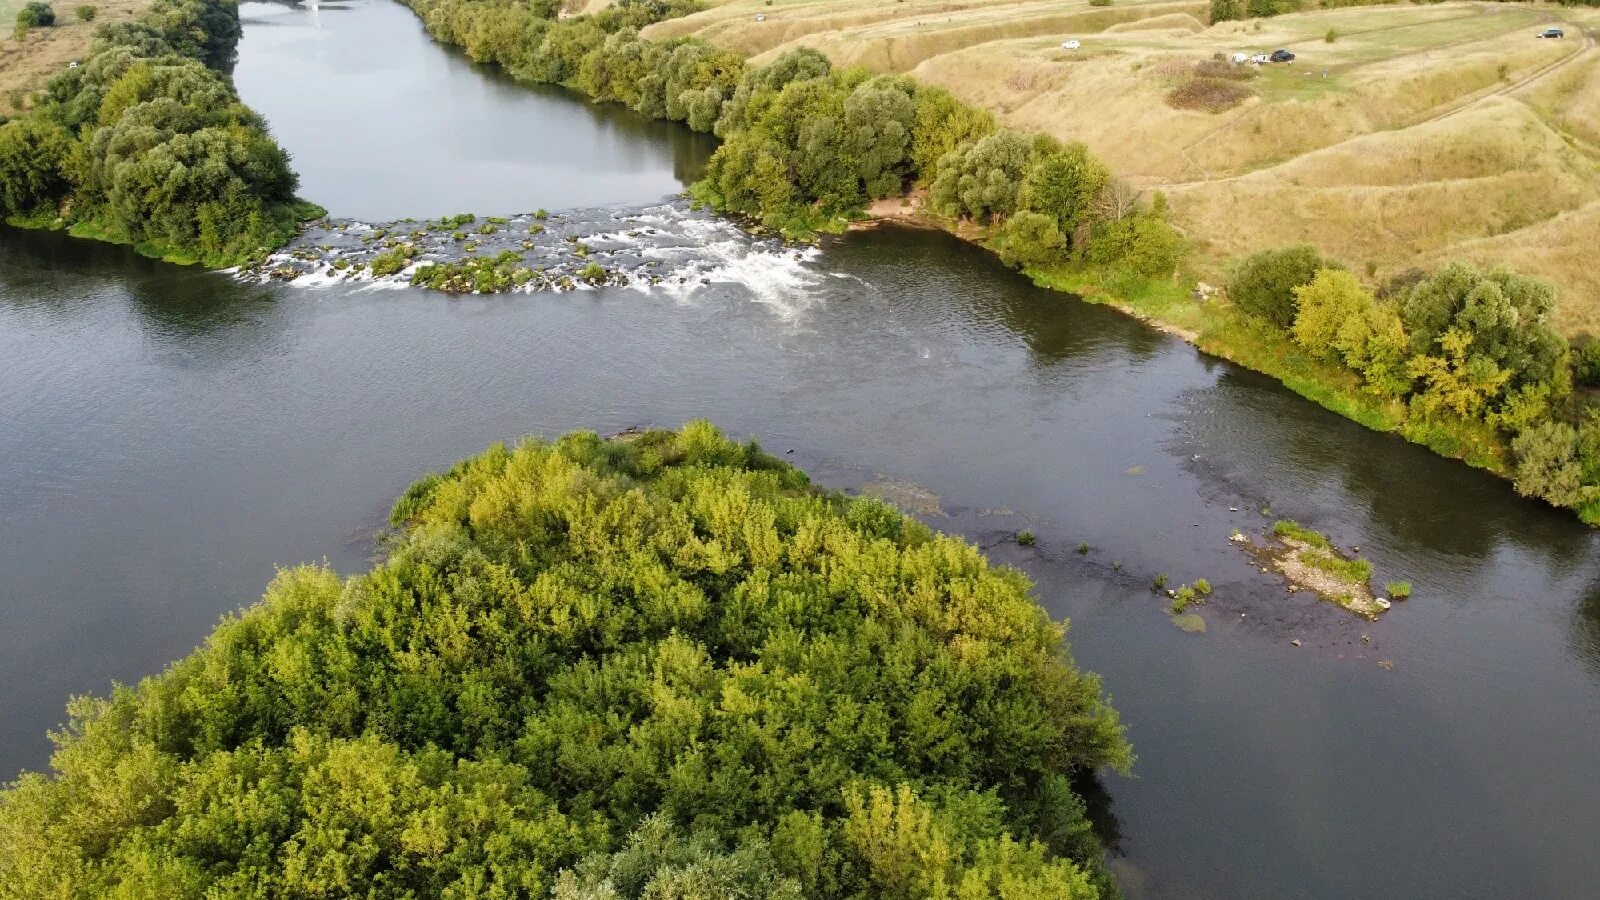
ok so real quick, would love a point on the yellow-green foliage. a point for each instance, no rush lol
(613, 658)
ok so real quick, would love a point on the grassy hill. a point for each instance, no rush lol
(1417, 134)
(26, 64)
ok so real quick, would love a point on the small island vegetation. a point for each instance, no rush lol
(660, 666)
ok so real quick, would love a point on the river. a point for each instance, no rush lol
(170, 436)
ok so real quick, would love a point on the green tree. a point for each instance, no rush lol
(32, 155)
(1064, 185)
(1030, 239)
(1264, 283)
(944, 124)
(983, 180)
(1226, 10)
(35, 15)
(1548, 465)
(1507, 316)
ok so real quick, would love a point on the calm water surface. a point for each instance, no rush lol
(170, 436)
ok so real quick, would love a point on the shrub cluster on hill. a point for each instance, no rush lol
(147, 143)
(36, 14)
(805, 146)
(664, 667)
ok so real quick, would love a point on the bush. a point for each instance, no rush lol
(1398, 590)
(1548, 465)
(1226, 10)
(86, 13)
(665, 667)
(35, 15)
(1586, 363)
(1264, 284)
(1030, 239)
(984, 180)
(1209, 94)
(33, 153)
(1141, 243)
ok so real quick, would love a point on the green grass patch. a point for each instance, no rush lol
(1398, 590)
(1355, 571)
(1289, 528)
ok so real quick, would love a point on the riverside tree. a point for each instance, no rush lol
(664, 667)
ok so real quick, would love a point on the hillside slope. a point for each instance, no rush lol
(1417, 134)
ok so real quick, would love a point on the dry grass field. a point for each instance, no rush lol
(1419, 133)
(25, 65)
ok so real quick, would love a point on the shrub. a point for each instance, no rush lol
(33, 153)
(86, 13)
(1226, 10)
(1182, 598)
(1548, 465)
(1099, 2)
(666, 667)
(1202, 586)
(1264, 283)
(593, 273)
(1398, 590)
(35, 15)
(1030, 239)
(1209, 94)
(391, 262)
(1586, 362)
(1141, 243)
(1025, 538)
(1331, 36)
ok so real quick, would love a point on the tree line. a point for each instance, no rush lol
(806, 146)
(147, 142)
(1458, 345)
(662, 667)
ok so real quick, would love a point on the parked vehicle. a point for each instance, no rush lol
(1552, 33)
(1282, 56)
(1071, 45)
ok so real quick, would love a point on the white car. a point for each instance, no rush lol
(1071, 45)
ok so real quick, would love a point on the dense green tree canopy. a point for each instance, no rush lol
(665, 667)
(1264, 283)
(152, 145)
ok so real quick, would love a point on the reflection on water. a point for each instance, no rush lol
(383, 124)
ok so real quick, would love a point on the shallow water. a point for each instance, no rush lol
(171, 436)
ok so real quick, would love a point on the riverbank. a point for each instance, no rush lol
(1216, 327)
(808, 148)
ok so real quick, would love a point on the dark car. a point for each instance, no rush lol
(1553, 33)
(1282, 56)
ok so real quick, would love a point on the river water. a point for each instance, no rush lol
(169, 436)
